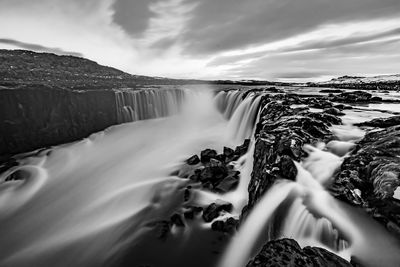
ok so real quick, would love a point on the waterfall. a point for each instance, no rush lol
(314, 218)
(242, 244)
(134, 105)
(227, 102)
(79, 204)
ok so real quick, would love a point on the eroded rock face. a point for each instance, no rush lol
(353, 97)
(280, 136)
(287, 252)
(370, 175)
(382, 122)
(32, 118)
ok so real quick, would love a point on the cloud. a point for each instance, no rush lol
(214, 39)
(219, 25)
(39, 48)
(357, 59)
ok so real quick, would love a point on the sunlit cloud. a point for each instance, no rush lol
(213, 39)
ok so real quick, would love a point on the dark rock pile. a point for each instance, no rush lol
(370, 175)
(355, 96)
(286, 252)
(214, 171)
(382, 122)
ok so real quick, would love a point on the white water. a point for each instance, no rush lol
(315, 219)
(134, 105)
(70, 206)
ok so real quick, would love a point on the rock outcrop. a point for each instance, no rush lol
(370, 175)
(280, 135)
(353, 97)
(287, 252)
(382, 122)
(214, 171)
(39, 116)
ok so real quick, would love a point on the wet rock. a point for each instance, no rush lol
(280, 136)
(334, 111)
(214, 210)
(287, 252)
(207, 154)
(331, 91)
(342, 106)
(193, 160)
(191, 211)
(353, 97)
(226, 226)
(326, 118)
(228, 183)
(370, 175)
(376, 99)
(177, 220)
(213, 173)
(229, 153)
(319, 103)
(382, 122)
(242, 149)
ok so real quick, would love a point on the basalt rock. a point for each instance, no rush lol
(353, 97)
(214, 171)
(334, 111)
(331, 91)
(191, 211)
(207, 154)
(287, 252)
(280, 135)
(382, 122)
(370, 175)
(342, 106)
(319, 103)
(214, 210)
(226, 226)
(193, 160)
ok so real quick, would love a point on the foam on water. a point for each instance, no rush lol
(73, 203)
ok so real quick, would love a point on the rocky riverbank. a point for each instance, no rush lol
(367, 178)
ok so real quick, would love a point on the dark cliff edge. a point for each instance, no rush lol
(280, 135)
(47, 99)
(36, 117)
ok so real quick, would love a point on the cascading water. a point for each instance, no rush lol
(88, 202)
(227, 102)
(69, 206)
(134, 105)
(314, 219)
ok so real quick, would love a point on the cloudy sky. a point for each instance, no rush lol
(292, 40)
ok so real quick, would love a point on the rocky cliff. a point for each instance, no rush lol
(38, 116)
(47, 99)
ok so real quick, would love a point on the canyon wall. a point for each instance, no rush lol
(35, 117)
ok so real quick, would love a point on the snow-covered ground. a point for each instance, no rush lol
(373, 79)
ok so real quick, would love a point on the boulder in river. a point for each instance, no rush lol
(214, 210)
(353, 97)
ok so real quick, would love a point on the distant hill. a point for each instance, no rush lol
(23, 68)
(26, 68)
(387, 82)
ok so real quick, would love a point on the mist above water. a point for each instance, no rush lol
(70, 205)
